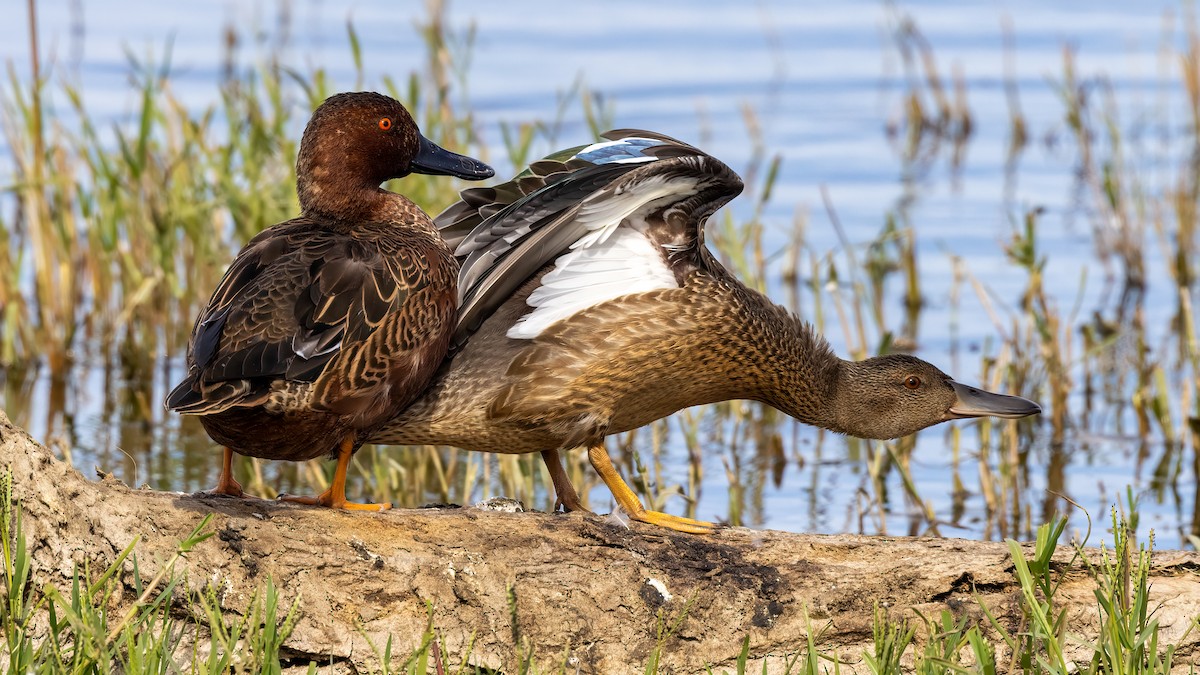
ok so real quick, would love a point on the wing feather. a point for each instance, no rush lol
(290, 302)
(600, 198)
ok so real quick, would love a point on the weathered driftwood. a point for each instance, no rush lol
(583, 585)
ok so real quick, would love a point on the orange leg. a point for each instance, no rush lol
(335, 496)
(226, 483)
(627, 500)
(564, 492)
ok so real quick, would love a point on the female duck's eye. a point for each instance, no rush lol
(385, 123)
(912, 382)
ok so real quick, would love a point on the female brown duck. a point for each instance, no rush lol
(327, 325)
(593, 307)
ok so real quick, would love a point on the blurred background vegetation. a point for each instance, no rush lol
(1071, 281)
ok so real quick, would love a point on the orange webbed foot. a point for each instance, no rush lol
(227, 485)
(328, 500)
(632, 506)
(335, 496)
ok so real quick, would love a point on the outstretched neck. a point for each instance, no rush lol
(800, 374)
(847, 397)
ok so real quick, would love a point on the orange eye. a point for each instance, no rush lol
(385, 123)
(912, 382)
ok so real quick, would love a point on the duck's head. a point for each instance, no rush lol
(897, 394)
(355, 141)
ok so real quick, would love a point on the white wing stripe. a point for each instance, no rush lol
(612, 259)
(626, 262)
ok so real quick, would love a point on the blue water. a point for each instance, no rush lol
(825, 81)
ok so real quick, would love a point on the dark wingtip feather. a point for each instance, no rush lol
(531, 184)
(476, 197)
(545, 167)
(189, 399)
(184, 397)
(490, 210)
(207, 338)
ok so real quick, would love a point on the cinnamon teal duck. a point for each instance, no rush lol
(589, 305)
(328, 325)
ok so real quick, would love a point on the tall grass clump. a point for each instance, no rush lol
(92, 627)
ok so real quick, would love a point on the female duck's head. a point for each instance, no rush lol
(897, 395)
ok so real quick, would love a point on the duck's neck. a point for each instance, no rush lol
(805, 379)
(335, 192)
(808, 380)
(794, 368)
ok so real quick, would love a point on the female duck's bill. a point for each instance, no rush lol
(974, 402)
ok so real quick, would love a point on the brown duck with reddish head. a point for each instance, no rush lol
(590, 306)
(328, 325)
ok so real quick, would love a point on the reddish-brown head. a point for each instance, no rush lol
(356, 141)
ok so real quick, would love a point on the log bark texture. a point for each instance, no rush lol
(583, 586)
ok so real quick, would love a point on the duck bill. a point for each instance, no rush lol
(435, 160)
(974, 402)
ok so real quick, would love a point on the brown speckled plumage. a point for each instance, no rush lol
(619, 366)
(627, 361)
(327, 325)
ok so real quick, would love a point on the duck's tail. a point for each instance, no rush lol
(190, 398)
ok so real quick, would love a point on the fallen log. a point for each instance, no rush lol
(576, 586)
